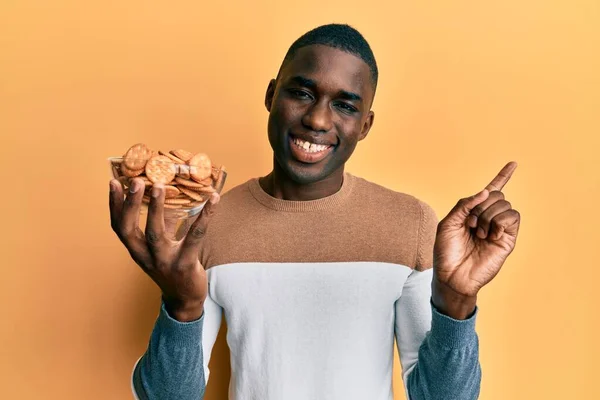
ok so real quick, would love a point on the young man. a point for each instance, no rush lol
(317, 270)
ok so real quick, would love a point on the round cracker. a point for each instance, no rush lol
(206, 189)
(178, 200)
(172, 157)
(160, 169)
(171, 192)
(131, 173)
(188, 183)
(207, 182)
(192, 194)
(137, 156)
(202, 167)
(182, 154)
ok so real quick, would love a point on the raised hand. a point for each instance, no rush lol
(471, 245)
(172, 264)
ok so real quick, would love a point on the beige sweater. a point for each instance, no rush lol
(361, 222)
(314, 294)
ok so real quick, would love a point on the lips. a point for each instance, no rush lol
(310, 139)
(309, 151)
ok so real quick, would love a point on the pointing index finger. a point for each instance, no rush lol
(502, 178)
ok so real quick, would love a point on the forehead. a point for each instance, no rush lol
(330, 68)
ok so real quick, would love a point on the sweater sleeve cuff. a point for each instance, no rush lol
(450, 332)
(179, 333)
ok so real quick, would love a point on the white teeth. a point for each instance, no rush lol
(310, 147)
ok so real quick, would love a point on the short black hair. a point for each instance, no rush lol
(339, 36)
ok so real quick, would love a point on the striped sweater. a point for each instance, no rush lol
(314, 294)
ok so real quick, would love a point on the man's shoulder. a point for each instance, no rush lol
(385, 198)
(405, 222)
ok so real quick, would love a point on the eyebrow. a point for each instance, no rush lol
(309, 83)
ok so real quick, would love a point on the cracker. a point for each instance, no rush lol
(160, 169)
(203, 167)
(192, 194)
(178, 200)
(131, 173)
(206, 189)
(188, 183)
(182, 154)
(172, 157)
(171, 192)
(207, 182)
(167, 203)
(189, 178)
(137, 156)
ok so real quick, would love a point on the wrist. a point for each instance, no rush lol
(451, 303)
(184, 311)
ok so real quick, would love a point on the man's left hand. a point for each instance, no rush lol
(471, 245)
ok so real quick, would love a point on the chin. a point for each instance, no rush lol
(304, 174)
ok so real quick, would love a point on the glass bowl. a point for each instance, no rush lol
(186, 198)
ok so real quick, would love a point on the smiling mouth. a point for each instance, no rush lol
(309, 147)
(307, 152)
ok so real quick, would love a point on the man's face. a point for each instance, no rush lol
(319, 109)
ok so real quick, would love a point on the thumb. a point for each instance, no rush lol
(463, 208)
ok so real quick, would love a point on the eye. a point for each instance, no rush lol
(300, 94)
(346, 107)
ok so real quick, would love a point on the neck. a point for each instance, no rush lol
(279, 185)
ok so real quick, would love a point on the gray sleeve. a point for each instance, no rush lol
(448, 361)
(439, 355)
(175, 364)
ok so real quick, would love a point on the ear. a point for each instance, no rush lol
(269, 95)
(367, 125)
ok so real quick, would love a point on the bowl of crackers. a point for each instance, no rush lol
(189, 178)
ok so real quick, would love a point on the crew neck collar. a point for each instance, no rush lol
(324, 203)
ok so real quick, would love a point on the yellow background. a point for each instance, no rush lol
(465, 86)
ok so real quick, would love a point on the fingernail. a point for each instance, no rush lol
(481, 233)
(135, 186)
(214, 198)
(112, 185)
(156, 189)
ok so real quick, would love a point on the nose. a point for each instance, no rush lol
(318, 117)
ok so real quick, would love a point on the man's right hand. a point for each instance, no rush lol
(173, 265)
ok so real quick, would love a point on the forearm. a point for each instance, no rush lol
(448, 361)
(172, 367)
